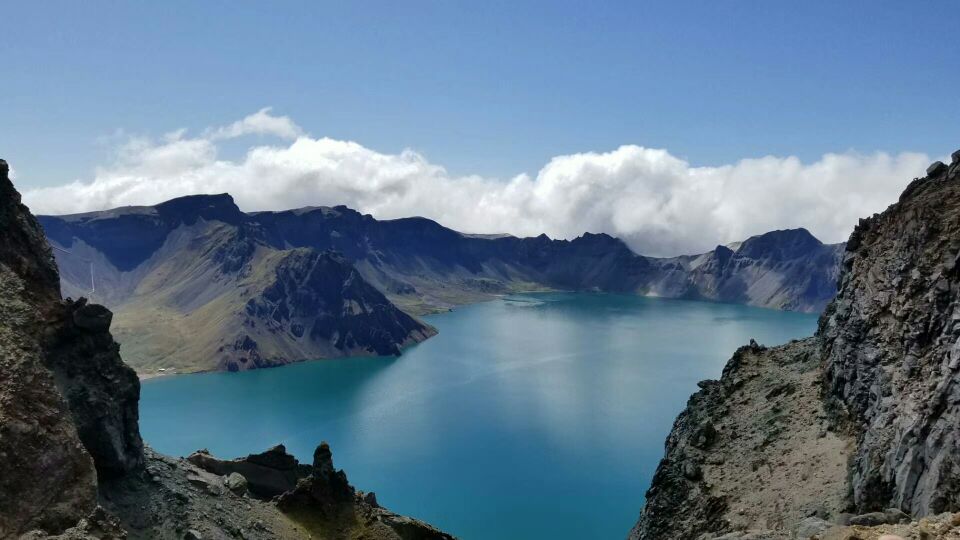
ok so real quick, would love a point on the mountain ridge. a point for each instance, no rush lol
(420, 266)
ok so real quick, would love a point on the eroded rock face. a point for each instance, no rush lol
(321, 297)
(889, 343)
(101, 390)
(67, 402)
(47, 477)
(206, 290)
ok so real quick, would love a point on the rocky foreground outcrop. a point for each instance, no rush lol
(314, 493)
(72, 463)
(891, 353)
(754, 450)
(68, 404)
(859, 425)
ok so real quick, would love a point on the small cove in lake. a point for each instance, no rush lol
(534, 416)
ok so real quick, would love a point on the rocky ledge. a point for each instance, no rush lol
(852, 433)
(203, 497)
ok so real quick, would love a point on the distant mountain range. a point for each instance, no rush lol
(197, 284)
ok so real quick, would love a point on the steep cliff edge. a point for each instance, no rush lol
(34, 417)
(68, 405)
(865, 430)
(72, 463)
(890, 348)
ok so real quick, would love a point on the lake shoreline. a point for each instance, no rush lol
(562, 392)
(497, 297)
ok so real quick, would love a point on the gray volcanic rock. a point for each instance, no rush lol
(325, 488)
(891, 353)
(67, 401)
(326, 492)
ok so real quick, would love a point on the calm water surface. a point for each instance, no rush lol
(538, 416)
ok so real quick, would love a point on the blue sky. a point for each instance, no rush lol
(489, 88)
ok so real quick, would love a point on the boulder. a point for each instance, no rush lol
(371, 499)
(936, 168)
(704, 436)
(92, 317)
(692, 471)
(267, 474)
(236, 483)
(811, 526)
(870, 519)
(895, 515)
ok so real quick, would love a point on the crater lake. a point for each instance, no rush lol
(533, 416)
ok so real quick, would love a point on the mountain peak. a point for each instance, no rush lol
(799, 233)
(188, 209)
(601, 241)
(781, 244)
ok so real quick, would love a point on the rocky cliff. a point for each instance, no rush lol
(890, 349)
(855, 426)
(351, 317)
(72, 463)
(68, 405)
(787, 269)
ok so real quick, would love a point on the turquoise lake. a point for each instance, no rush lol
(535, 416)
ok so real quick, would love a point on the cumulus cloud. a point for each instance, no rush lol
(258, 123)
(657, 202)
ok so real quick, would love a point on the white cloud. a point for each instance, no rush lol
(258, 123)
(654, 200)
